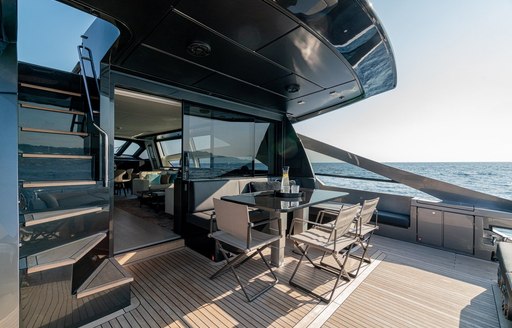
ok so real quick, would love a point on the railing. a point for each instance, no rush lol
(355, 178)
(82, 57)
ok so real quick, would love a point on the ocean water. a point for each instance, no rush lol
(491, 178)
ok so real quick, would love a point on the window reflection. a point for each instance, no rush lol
(219, 143)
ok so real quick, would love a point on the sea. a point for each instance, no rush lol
(494, 178)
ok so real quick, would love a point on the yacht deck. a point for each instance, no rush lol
(406, 285)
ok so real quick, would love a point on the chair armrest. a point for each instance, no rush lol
(263, 222)
(327, 226)
(251, 225)
(323, 212)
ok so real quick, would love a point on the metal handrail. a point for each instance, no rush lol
(81, 48)
(356, 178)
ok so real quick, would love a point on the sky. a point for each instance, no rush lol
(453, 98)
(452, 102)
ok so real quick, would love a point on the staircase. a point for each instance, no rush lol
(66, 275)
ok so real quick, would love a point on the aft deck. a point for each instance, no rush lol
(406, 285)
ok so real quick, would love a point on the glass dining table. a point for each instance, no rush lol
(279, 205)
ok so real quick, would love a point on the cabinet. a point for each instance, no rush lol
(451, 230)
(458, 232)
(430, 226)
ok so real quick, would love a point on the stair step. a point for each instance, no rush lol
(81, 134)
(42, 184)
(62, 255)
(50, 109)
(59, 156)
(44, 217)
(39, 87)
(108, 275)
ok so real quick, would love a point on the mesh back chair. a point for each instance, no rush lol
(365, 229)
(332, 238)
(236, 230)
(127, 180)
(118, 180)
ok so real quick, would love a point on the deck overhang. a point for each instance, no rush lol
(299, 59)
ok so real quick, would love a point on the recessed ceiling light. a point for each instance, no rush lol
(144, 96)
(199, 49)
(292, 88)
(301, 102)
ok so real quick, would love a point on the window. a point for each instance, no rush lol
(118, 144)
(171, 152)
(132, 148)
(219, 143)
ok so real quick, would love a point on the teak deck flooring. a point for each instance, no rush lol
(407, 285)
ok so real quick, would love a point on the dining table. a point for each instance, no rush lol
(278, 205)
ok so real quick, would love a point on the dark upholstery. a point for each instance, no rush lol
(264, 185)
(504, 256)
(393, 219)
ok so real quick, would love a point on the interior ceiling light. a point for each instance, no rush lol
(199, 49)
(292, 88)
(143, 96)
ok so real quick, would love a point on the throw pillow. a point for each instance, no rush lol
(164, 178)
(264, 186)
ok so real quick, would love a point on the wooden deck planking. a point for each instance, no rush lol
(222, 290)
(414, 286)
(419, 287)
(193, 291)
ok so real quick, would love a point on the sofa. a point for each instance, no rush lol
(202, 192)
(153, 181)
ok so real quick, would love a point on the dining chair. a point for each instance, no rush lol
(236, 231)
(364, 228)
(333, 238)
(118, 180)
(127, 180)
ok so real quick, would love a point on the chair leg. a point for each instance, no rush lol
(364, 242)
(239, 260)
(339, 273)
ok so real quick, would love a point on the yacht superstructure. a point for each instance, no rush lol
(197, 99)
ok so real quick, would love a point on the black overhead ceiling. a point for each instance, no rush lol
(300, 57)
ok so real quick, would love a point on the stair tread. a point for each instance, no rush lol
(66, 156)
(82, 134)
(41, 184)
(108, 275)
(62, 255)
(39, 87)
(50, 109)
(43, 217)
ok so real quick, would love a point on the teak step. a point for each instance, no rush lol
(69, 183)
(51, 109)
(44, 217)
(62, 255)
(59, 156)
(109, 274)
(81, 134)
(39, 87)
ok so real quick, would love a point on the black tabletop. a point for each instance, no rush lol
(270, 201)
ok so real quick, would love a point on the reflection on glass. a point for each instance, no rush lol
(221, 143)
(171, 152)
(355, 32)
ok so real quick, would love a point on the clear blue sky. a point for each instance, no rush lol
(452, 102)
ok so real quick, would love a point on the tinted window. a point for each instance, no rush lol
(221, 143)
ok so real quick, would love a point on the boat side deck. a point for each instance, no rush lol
(407, 285)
